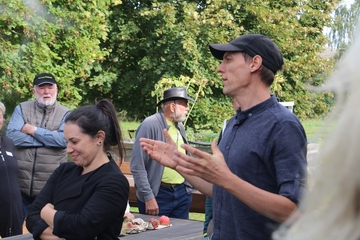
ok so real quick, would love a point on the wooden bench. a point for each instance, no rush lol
(132, 133)
(198, 199)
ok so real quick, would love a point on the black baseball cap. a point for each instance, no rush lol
(252, 44)
(43, 78)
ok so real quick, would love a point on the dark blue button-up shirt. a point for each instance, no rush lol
(266, 146)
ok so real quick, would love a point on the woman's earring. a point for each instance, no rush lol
(99, 143)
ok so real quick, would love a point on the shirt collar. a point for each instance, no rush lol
(241, 116)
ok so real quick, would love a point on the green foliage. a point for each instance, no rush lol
(156, 45)
(60, 37)
(297, 29)
(342, 29)
(154, 41)
(130, 51)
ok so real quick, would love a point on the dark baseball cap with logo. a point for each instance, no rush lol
(44, 78)
(252, 44)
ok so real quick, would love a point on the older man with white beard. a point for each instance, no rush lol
(161, 190)
(36, 127)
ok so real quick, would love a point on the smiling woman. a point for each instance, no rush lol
(86, 198)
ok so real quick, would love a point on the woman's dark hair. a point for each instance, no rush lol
(100, 116)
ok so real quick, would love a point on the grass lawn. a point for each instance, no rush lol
(126, 126)
(192, 216)
(317, 129)
(197, 216)
(312, 128)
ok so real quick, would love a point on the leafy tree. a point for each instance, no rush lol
(60, 37)
(130, 51)
(345, 19)
(151, 41)
(155, 40)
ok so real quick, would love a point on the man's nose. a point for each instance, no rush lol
(220, 68)
(46, 90)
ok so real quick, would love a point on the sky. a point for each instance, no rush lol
(348, 2)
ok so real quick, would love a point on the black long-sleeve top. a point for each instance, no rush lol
(88, 206)
(10, 197)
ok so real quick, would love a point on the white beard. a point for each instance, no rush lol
(179, 118)
(47, 102)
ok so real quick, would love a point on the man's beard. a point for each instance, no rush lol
(48, 102)
(177, 118)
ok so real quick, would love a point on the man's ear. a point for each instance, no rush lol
(256, 63)
(172, 106)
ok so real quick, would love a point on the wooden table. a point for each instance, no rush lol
(179, 229)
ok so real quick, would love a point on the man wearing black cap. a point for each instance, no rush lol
(257, 173)
(161, 190)
(36, 127)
